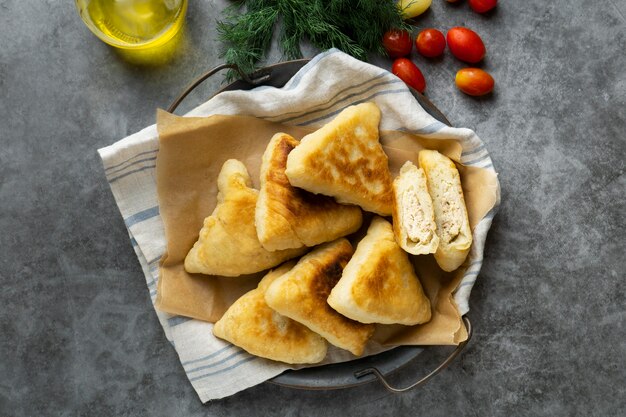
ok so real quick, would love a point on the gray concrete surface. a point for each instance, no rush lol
(77, 332)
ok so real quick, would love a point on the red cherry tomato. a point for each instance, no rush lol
(397, 43)
(465, 44)
(408, 72)
(430, 43)
(474, 81)
(482, 6)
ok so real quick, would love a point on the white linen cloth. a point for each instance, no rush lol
(327, 84)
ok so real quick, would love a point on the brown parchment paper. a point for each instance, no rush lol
(191, 154)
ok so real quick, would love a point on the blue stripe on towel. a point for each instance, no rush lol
(472, 265)
(132, 157)
(308, 67)
(251, 358)
(475, 150)
(349, 97)
(331, 102)
(465, 284)
(225, 348)
(115, 171)
(431, 128)
(154, 273)
(112, 180)
(434, 127)
(333, 113)
(476, 160)
(155, 259)
(219, 362)
(476, 262)
(141, 216)
(470, 274)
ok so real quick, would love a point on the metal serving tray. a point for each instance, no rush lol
(360, 371)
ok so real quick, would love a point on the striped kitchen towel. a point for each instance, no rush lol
(320, 90)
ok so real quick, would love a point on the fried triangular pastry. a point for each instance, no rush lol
(379, 284)
(290, 217)
(413, 215)
(228, 244)
(253, 326)
(453, 228)
(345, 159)
(301, 294)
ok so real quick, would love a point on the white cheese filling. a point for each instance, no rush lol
(413, 219)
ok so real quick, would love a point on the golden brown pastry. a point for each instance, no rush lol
(301, 294)
(250, 324)
(344, 159)
(379, 284)
(228, 244)
(413, 215)
(289, 217)
(453, 229)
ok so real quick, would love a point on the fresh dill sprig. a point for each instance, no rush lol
(353, 26)
(248, 38)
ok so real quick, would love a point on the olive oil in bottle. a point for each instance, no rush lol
(133, 24)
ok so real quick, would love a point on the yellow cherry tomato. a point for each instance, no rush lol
(413, 8)
(474, 81)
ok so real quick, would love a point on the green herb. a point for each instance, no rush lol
(355, 27)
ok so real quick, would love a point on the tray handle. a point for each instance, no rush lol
(423, 380)
(262, 78)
